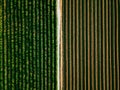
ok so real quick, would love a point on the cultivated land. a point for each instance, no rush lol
(28, 45)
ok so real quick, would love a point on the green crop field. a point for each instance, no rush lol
(28, 45)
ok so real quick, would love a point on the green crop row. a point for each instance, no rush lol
(28, 45)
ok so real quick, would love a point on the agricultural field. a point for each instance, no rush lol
(28, 45)
(90, 45)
